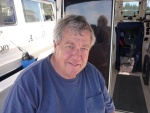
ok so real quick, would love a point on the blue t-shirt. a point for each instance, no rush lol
(39, 89)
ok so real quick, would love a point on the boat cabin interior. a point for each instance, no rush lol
(131, 56)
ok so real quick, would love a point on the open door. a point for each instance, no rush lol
(129, 41)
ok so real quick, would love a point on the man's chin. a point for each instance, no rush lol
(75, 73)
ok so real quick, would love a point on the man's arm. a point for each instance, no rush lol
(17, 102)
(109, 105)
(110, 108)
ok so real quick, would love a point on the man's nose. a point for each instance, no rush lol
(77, 54)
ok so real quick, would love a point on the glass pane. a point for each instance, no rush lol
(91, 10)
(7, 12)
(148, 8)
(48, 12)
(98, 14)
(130, 8)
(32, 11)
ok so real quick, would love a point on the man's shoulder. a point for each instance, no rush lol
(34, 66)
(33, 70)
(90, 66)
(92, 70)
(93, 75)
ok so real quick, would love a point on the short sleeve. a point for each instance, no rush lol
(108, 102)
(109, 105)
(17, 102)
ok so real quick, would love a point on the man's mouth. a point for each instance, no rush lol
(74, 64)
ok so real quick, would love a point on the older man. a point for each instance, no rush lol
(63, 82)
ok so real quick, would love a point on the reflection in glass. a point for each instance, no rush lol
(92, 10)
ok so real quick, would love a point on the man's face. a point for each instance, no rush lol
(71, 54)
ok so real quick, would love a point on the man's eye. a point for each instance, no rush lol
(70, 47)
(84, 49)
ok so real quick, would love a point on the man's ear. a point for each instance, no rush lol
(54, 42)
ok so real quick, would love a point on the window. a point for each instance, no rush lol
(7, 12)
(148, 8)
(90, 9)
(48, 12)
(130, 8)
(32, 11)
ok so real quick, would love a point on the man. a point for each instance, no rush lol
(63, 82)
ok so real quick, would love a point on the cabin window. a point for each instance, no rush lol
(32, 11)
(48, 12)
(90, 9)
(7, 12)
(148, 10)
(130, 9)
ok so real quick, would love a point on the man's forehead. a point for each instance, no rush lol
(84, 44)
(72, 35)
(75, 31)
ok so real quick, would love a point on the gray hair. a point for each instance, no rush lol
(74, 22)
